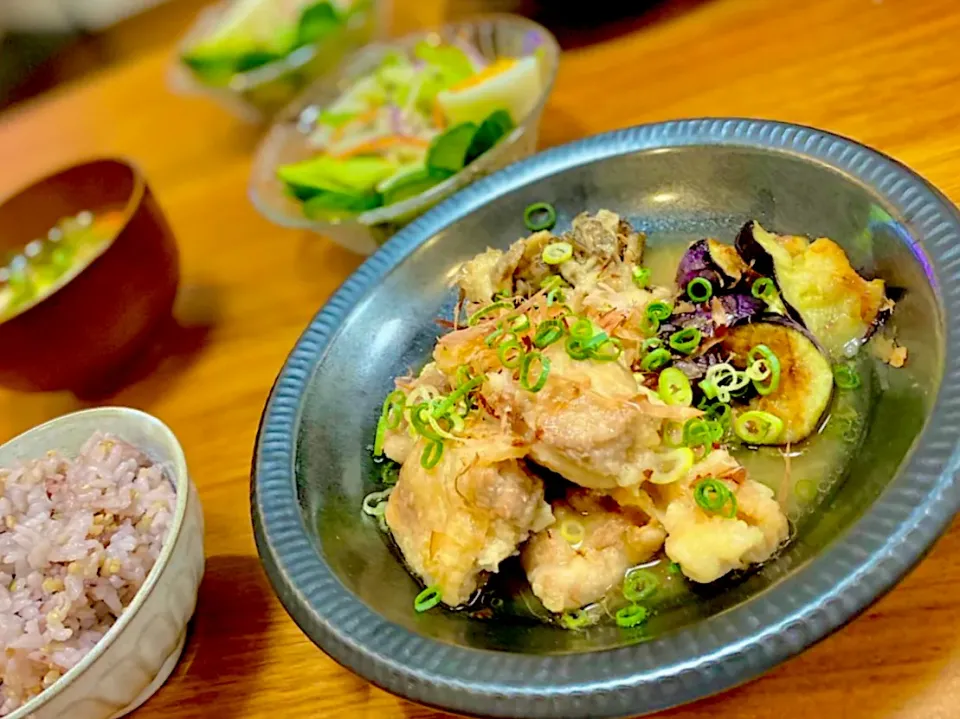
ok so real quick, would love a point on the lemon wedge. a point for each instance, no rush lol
(508, 84)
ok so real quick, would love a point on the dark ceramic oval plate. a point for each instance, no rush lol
(338, 577)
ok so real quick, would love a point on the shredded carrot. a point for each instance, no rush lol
(382, 143)
(365, 116)
(437, 116)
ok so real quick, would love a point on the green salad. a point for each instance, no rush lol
(417, 119)
(255, 33)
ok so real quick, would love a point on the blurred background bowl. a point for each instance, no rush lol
(259, 94)
(286, 142)
(74, 337)
(136, 656)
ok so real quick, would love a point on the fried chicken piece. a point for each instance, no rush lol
(567, 576)
(459, 520)
(589, 423)
(707, 546)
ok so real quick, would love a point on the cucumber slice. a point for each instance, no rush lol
(329, 205)
(448, 151)
(413, 184)
(497, 124)
(317, 22)
(324, 173)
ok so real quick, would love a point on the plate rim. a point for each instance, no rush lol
(702, 659)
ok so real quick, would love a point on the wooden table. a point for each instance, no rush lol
(886, 72)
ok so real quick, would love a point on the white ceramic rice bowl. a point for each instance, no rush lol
(140, 651)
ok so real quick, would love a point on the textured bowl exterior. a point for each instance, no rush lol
(495, 36)
(109, 311)
(141, 650)
(892, 531)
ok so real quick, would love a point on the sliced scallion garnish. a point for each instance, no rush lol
(674, 387)
(699, 289)
(686, 340)
(713, 496)
(541, 378)
(557, 253)
(845, 376)
(427, 599)
(758, 427)
(631, 616)
(639, 585)
(540, 216)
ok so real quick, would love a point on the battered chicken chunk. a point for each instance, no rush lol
(567, 576)
(589, 423)
(459, 520)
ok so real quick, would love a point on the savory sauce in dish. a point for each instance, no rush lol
(46, 264)
(626, 432)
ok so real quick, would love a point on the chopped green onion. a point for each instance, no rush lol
(722, 380)
(427, 599)
(578, 619)
(713, 496)
(675, 388)
(672, 465)
(492, 338)
(766, 369)
(651, 343)
(557, 253)
(806, 490)
(608, 350)
(655, 360)
(555, 295)
(548, 332)
(478, 316)
(699, 289)
(659, 310)
(649, 325)
(393, 407)
(510, 354)
(845, 376)
(672, 434)
(674, 568)
(639, 585)
(540, 216)
(375, 503)
(572, 531)
(582, 329)
(418, 418)
(462, 391)
(520, 323)
(704, 433)
(525, 364)
(757, 427)
(686, 340)
(463, 374)
(641, 277)
(764, 289)
(431, 454)
(631, 616)
(435, 424)
(717, 412)
(390, 416)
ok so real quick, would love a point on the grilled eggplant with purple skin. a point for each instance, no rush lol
(715, 262)
(806, 376)
(819, 286)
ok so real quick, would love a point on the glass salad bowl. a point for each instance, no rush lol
(514, 63)
(255, 56)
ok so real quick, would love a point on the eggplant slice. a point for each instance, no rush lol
(806, 376)
(816, 281)
(713, 261)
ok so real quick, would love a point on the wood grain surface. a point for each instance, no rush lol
(885, 72)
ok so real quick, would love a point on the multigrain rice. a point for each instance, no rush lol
(77, 539)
